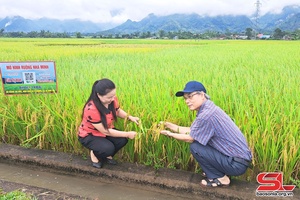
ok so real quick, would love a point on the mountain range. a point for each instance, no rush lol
(18, 23)
(287, 20)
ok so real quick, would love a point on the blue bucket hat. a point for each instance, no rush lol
(190, 87)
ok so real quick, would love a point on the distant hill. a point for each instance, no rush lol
(184, 22)
(18, 23)
(287, 20)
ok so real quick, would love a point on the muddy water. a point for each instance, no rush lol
(85, 187)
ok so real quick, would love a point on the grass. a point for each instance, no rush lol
(255, 82)
(16, 195)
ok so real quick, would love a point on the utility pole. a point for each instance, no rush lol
(257, 13)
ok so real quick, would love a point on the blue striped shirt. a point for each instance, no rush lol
(215, 128)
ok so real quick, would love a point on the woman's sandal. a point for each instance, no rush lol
(213, 183)
(111, 161)
(97, 164)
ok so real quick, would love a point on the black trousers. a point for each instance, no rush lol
(103, 146)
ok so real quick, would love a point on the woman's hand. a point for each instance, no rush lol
(131, 134)
(134, 119)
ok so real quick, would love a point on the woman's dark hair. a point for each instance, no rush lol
(102, 87)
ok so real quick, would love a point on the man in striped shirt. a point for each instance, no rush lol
(217, 143)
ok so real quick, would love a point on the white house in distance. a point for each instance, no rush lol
(263, 37)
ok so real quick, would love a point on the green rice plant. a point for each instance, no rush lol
(255, 82)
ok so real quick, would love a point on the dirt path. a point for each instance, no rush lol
(178, 183)
(44, 184)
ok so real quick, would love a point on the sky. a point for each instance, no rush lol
(119, 11)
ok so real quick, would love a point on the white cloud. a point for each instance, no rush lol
(119, 11)
(7, 24)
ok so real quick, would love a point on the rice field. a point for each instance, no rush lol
(255, 82)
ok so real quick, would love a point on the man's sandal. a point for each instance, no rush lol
(204, 175)
(213, 183)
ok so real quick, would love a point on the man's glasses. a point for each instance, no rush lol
(190, 96)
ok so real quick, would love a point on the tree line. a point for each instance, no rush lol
(249, 33)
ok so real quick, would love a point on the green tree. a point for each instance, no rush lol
(249, 33)
(161, 33)
(278, 34)
(296, 35)
(1, 32)
(42, 33)
(33, 34)
(78, 35)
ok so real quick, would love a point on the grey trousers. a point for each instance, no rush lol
(215, 164)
